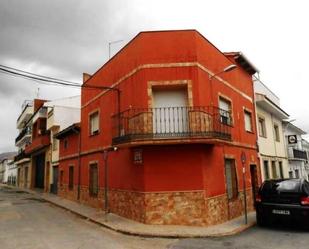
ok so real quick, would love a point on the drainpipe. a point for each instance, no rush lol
(79, 162)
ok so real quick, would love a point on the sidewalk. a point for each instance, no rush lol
(131, 227)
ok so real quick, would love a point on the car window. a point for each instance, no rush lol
(288, 186)
(272, 187)
(306, 188)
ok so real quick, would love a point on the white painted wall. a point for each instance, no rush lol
(62, 113)
(270, 149)
(294, 164)
(260, 87)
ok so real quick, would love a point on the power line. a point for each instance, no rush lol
(48, 80)
(37, 75)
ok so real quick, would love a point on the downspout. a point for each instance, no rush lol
(79, 162)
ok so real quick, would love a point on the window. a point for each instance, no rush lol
(262, 127)
(55, 144)
(93, 180)
(65, 143)
(71, 177)
(266, 170)
(277, 135)
(248, 121)
(94, 123)
(225, 111)
(281, 170)
(231, 179)
(296, 173)
(290, 174)
(273, 169)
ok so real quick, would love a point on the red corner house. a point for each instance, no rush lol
(164, 125)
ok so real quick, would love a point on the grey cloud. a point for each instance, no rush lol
(65, 38)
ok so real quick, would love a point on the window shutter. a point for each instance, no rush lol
(248, 124)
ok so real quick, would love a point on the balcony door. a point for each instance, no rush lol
(170, 113)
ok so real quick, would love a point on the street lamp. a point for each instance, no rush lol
(225, 70)
(109, 47)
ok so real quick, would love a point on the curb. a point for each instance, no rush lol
(132, 233)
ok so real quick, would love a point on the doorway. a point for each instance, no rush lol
(39, 171)
(54, 188)
(254, 181)
(26, 177)
(170, 113)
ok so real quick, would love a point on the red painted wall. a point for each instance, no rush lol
(166, 168)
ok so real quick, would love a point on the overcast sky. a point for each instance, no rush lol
(63, 39)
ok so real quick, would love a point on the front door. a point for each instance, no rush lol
(39, 170)
(254, 181)
(26, 177)
(18, 177)
(170, 114)
(55, 180)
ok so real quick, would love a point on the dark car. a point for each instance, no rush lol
(284, 200)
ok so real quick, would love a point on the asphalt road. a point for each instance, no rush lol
(277, 236)
(30, 223)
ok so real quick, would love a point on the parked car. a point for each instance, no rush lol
(283, 199)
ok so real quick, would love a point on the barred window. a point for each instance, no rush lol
(225, 111)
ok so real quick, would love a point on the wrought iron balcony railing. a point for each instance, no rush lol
(171, 122)
(24, 132)
(300, 154)
(20, 155)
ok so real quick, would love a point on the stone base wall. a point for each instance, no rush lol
(175, 208)
(65, 192)
(236, 207)
(165, 208)
(128, 204)
(216, 210)
(93, 201)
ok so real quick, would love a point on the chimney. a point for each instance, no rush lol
(86, 77)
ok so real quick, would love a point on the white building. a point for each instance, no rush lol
(271, 143)
(22, 161)
(61, 114)
(297, 151)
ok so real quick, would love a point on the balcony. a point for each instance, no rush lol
(38, 143)
(25, 115)
(24, 136)
(20, 156)
(41, 113)
(299, 154)
(171, 124)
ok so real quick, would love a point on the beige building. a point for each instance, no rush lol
(23, 161)
(271, 142)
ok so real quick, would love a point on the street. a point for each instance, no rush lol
(28, 222)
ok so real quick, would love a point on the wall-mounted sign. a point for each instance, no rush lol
(292, 139)
(138, 156)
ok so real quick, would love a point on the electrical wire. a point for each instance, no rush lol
(37, 75)
(41, 79)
